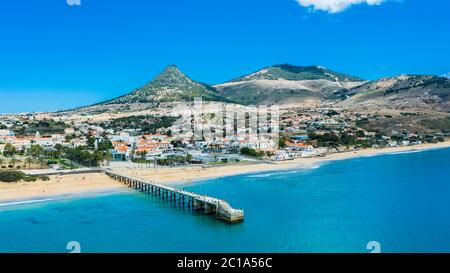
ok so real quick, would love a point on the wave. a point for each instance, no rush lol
(67, 196)
(260, 175)
(414, 151)
(407, 152)
(285, 172)
(27, 202)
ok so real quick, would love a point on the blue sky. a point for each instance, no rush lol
(54, 56)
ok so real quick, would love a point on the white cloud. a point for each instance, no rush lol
(335, 6)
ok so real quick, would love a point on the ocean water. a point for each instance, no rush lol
(401, 201)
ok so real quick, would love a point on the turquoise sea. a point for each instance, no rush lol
(400, 200)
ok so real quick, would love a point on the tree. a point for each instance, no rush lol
(83, 156)
(35, 151)
(9, 150)
(141, 154)
(91, 142)
(41, 161)
(105, 145)
(327, 139)
(282, 142)
(251, 152)
(188, 158)
(29, 160)
(107, 157)
(176, 143)
(59, 148)
(1, 162)
(347, 139)
(69, 138)
(360, 133)
(57, 151)
(11, 176)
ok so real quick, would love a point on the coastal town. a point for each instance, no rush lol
(65, 142)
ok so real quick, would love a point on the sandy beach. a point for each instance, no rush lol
(74, 184)
(57, 185)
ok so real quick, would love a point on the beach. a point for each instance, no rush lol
(74, 184)
(185, 175)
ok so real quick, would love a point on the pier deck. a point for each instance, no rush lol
(199, 203)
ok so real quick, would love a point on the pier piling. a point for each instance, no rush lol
(181, 198)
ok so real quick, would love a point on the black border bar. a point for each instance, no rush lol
(221, 262)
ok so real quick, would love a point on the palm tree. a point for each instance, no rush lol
(108, 158)
(29, 160)
(41, 161)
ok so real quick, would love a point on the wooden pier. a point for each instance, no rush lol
(184, 199)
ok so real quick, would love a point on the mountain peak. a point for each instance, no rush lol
(170, 76)
(171, 68)
(171, 85)
(287, 66)
(298, 73)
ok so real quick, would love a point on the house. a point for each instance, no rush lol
(117, 156)
(124, 150)
(299, 146)
(155, 137)
(264, 145)
(392, 144)
(151, 155)
(6, 132)
(44, 141)
(21, 143)
(282, 156)
(69, 131)
(123, 137)
(150, 146)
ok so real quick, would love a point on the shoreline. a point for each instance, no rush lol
(57, 187)
(189, 175)
(73, 185)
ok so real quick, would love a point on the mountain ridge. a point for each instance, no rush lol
(296, 73)
(401, 92)
(288, 85)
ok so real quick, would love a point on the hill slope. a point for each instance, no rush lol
(286, 83)
(401, 92)
(170, 86)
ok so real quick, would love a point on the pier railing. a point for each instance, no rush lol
(197, 202)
